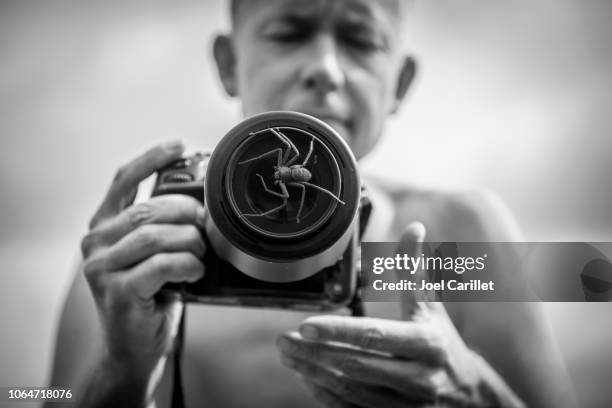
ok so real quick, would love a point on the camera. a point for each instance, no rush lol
(284, 214)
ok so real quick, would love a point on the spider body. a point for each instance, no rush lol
(295, 173)
(288, 174)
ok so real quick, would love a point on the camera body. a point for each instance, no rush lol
(283, 200)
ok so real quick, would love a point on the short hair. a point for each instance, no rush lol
(236, 5)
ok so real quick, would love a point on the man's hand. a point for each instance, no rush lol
(367, 362)
(130, 252)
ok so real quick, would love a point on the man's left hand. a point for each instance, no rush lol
(369, 362)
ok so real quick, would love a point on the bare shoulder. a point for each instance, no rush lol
(459, 216)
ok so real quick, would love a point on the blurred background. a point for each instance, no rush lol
(511, 95)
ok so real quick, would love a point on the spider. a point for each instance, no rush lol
(288, 174)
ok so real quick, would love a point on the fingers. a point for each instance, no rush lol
(406, 339)
(149, 256)
(165, 209)
(151, 239)
(411, 243)
(325, 397)
(123, 188)
(343, 387)
(148, 277)
(145, 279)
(340, 386)
(407, 376)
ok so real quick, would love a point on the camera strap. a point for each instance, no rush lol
(356, 306)
(178, 397)
(365, 210)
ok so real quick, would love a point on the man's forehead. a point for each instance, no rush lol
(381, 10)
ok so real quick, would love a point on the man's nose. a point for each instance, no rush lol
(322, 71)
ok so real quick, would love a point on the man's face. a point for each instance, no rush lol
(337, 60)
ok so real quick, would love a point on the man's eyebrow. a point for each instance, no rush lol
(300, 8)
(368, 9)
(359, 12)
(361, 8)
(299, 18)
(371, 19)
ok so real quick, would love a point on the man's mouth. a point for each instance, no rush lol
(340, 125)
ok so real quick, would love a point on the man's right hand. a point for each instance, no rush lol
(130, 252)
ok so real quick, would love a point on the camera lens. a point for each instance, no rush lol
(282, 193)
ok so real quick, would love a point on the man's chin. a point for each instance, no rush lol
(341, 128)
(345, 133)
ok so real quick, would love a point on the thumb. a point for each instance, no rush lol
(411, 244)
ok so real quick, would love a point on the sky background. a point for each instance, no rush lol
(513, 96)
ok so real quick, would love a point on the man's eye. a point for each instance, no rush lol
(286, 36)
(365, 43)
(363, 39)
(283, 32)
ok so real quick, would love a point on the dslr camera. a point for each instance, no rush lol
(284, 215)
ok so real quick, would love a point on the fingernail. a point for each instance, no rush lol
(417, 230)
(200, 216)
(286, 346)
(310, 332)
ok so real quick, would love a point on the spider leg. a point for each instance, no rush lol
(283, 189)
(263, 214)
(286, 138)
(284, 196)
(297, 152)
(285, 141)
(301, 200)
(324, 191)
(278, 151)
(309, 151)
(269, 190)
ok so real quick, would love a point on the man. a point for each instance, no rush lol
(341, 61)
